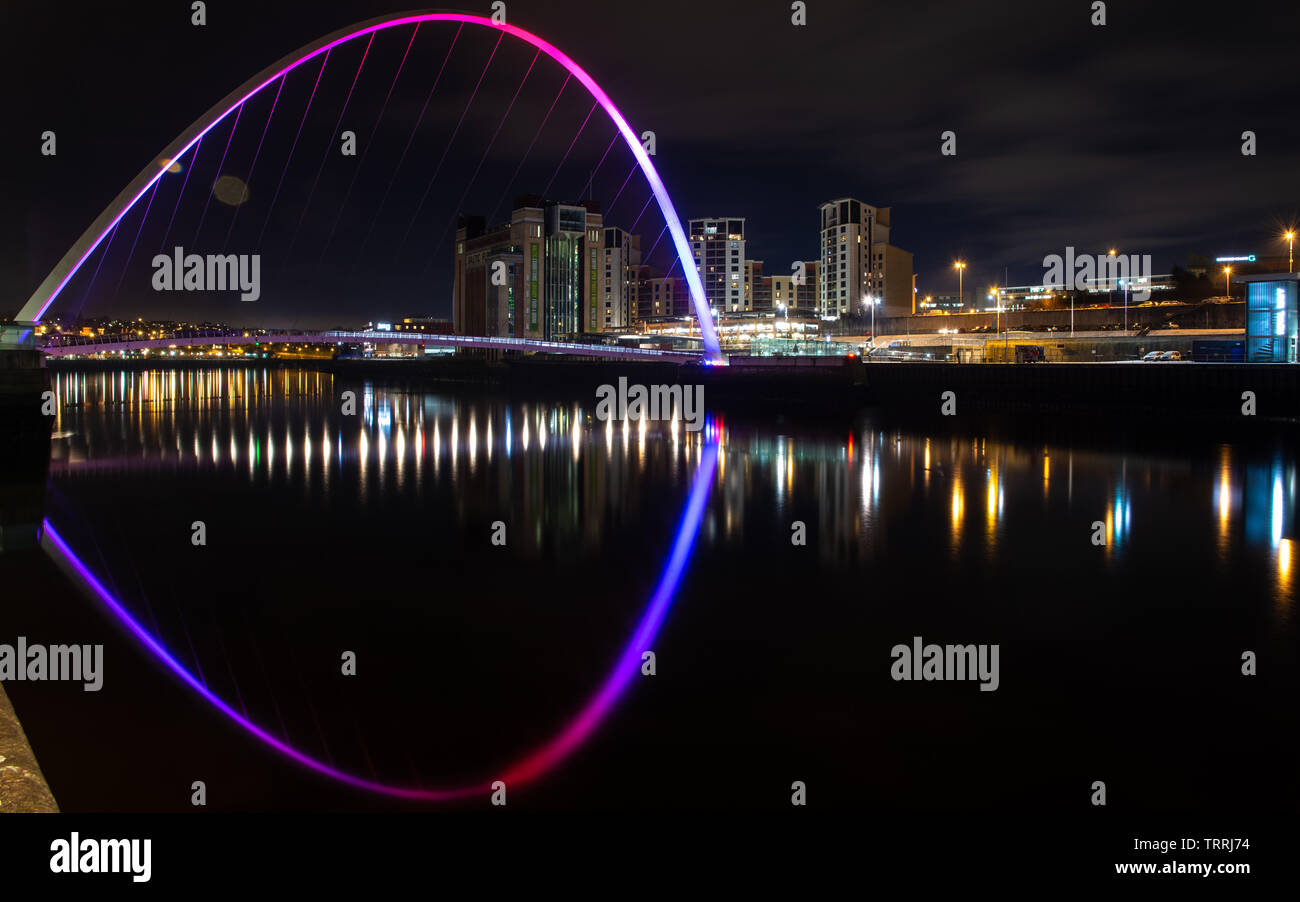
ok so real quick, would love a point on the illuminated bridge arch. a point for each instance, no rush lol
(525, 769)
(77, 255)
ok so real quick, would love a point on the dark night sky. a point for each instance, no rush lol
(1068, 134)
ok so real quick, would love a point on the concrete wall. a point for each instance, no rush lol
(1210, 390)
(1189, 316)
(1091, 347)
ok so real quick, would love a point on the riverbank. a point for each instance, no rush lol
(1122, 392)
(1156, 391)
(22, 785)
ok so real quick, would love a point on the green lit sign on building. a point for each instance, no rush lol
(595, 293)
(532, 288)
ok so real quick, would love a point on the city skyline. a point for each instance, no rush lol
(982, 205)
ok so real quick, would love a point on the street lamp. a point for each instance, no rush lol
(1227, 288)
(995, 295)
(961, 300)
(1110, 291)
(872, 301)
(1070, 291)
(1290, 251)
(1114, 269)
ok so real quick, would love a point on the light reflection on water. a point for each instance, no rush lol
(999, 500)
(369, 531)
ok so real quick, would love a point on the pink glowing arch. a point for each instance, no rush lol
(524, 770)
(77, 255)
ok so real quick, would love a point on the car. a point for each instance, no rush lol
(1152, 355)
(1172, 355)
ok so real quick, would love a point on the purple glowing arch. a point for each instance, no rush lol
(522, 771)
(77, 255)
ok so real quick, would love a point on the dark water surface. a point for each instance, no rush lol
(372, 534)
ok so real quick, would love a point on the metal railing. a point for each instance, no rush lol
(94, 343)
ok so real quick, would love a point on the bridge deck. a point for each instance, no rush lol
(65, 347)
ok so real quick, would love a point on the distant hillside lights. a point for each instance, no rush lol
(215, 272)
(1081, 272)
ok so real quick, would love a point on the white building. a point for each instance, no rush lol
(719, 249)
(622, 260)
(849, 230)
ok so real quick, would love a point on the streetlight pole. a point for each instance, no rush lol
(1110, 287)
(995, 295)
(961, 299)
(1290, 251)
(1006, 336)
(1227, 287)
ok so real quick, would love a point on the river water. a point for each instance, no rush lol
(485, 570)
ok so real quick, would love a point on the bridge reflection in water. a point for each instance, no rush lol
(182, 416)
(370, 532)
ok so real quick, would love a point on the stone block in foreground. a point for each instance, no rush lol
(22, 786)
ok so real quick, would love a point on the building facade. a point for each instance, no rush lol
(573, 299)
(758, 290)
(621, 264)
(891, 279)
(792, 293)
(666, 296)
(719, 249)
(858, 261)
(848, 230)
(427, 324)
(540, 275)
